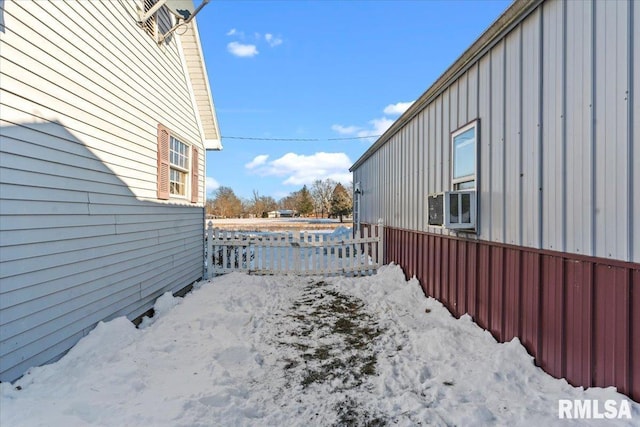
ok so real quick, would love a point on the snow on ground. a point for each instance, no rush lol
(284, 351)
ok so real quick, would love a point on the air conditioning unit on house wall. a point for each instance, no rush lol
(455, 210)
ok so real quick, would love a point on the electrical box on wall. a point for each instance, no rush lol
(435, 209)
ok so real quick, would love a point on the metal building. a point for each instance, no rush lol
(511, 187)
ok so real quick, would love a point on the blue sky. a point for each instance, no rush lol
(320, 70)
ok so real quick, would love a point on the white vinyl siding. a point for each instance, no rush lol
(83, 236)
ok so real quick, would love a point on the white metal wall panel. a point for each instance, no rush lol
(611, 168)
(558, 139)
(463, 100)
(496, 143)
(579, 133)
(553, 170)
(485, 199)
(472, 95)
(634, 64)
(531, 131)
(82, 236)
(453, 108)
(445, 141)
(513, 139)
(423, 162)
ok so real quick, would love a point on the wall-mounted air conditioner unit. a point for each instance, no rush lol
(460, 209)
(455, 210)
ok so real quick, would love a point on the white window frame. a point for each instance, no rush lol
(180, 168)
(457, 183)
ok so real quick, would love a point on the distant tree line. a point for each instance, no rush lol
(325, 198)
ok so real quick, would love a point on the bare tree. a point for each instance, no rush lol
(226, 204)
(321, 192)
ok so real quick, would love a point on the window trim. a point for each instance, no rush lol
(455, 182)
(192, 178)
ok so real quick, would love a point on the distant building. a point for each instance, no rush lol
(511, 187)
(282, 213)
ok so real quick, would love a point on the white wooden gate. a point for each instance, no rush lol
(300, 253)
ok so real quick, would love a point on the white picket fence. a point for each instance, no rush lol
(301, 253)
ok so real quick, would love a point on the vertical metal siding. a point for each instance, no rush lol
(559, 157)
(611, 320)
(463, 100)
(579, 112)
(611, 168)
(551, 325)
(512, 139)
(634, 346)
(578, 317)
(485, 196)
(512, 299)
(497, 143)
(634, 122)
(484, 286)
(531, 131)
(531, 289)
(552, 126)
(579, 279)
(558, 154)
(496, 318)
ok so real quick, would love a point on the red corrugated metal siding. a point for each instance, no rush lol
(512, 286)
(445, 282)
(531, 302)
(551, 326)
(484, 289)
(472, 282)
(611, 327)
(461, 288)
(454, 280)
(578, 316)
(634, 388)
(579, 321)
(496, 321)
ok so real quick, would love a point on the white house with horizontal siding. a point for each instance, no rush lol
(104, 125)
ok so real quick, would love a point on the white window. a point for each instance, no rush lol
(179, 167)
(464, 144)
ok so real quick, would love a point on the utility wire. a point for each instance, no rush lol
(253, 138)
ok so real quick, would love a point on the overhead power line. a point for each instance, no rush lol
(255, 138)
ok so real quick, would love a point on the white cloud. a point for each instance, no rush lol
(257, 161)
(377, 127)
(301, 169)
(345, 130)
(397, 108)
(232, 32)
(272, 40)
(242, 50)
(211, 185)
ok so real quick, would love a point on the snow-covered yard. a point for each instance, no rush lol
(287, 351)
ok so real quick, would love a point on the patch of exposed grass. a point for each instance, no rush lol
(331, 337)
